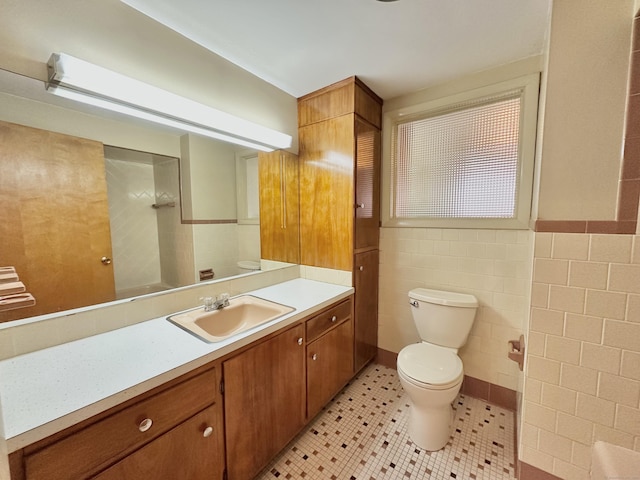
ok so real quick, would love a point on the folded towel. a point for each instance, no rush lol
(8, 277)
(10, 288)
(19, 300)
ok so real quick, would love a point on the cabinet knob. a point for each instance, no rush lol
(361, 268)
(105, 260)
(314, 356)
(360, 205)
(145, 424)
(300, 341)
(207, 432)
(334, 318)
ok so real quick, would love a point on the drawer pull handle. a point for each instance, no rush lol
(300, 341)
(314, 357)
(334, 318)
(207, 432)
(145, 424)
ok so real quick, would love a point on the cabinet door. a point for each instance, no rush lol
(184, 452)
(366, 307)
(367, 205)
(264, 401)
(329, 366)
(279, 206)
(326, 193)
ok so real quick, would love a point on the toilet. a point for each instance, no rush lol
(431, 372)
(246, 266)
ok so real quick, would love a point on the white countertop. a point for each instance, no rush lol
(46, 391)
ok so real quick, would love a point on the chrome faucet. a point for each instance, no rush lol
(220, 302)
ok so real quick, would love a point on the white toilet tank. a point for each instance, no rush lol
(443, 318)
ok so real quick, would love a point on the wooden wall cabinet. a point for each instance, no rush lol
(264, 389)
(340, 157)
(279, 206)
(165, 434)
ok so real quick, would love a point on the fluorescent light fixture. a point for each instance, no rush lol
(78, 80)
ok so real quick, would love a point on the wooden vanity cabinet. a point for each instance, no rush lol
(264, 401)
(129, 442)
(188, 451)
(329, 355)
(279, 207)
(340, 158)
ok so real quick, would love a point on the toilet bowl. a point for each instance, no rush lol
(431, 372)
(432, 377)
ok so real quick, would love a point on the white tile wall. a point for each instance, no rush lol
(494, 265)
(582, 382)
(134, 229)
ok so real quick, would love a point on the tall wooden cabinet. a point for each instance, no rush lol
(339, 136)
(279, 214)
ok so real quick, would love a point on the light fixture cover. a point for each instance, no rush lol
(82, 81)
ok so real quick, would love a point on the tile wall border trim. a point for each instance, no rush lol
(529, 472)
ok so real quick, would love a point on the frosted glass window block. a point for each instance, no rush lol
(460, 162)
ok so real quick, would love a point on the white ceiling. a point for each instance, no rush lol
(396, 48)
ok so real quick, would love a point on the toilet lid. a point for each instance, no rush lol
(429, 364)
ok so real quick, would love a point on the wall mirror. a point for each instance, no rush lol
(148, 208)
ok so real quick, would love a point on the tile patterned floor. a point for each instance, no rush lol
(361, 435)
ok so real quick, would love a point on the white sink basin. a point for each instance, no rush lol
(244, 312)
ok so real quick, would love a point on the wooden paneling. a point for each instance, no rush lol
(347, 96)
(264, 401)
(327, 193)
(184, 452)
(95, 447)
(330, 102)
(367, 212)
(366, 307)
(368, 105)
(329, 366)
(279, 206)
(54, 220)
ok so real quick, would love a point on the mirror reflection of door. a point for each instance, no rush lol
(54, 219)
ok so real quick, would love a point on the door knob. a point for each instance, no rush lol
(105, 260)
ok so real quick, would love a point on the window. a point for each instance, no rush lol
(463, 161)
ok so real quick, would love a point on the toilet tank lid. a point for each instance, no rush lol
(441, 297)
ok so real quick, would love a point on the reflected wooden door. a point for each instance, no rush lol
(54, 219)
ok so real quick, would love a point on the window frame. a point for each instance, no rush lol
(530, 86)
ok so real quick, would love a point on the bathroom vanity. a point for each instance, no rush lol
(154, 401)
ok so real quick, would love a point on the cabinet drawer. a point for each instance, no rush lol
(86, 451)
(184, 452)
(319, 324)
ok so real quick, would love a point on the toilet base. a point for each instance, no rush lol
(430, 428)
